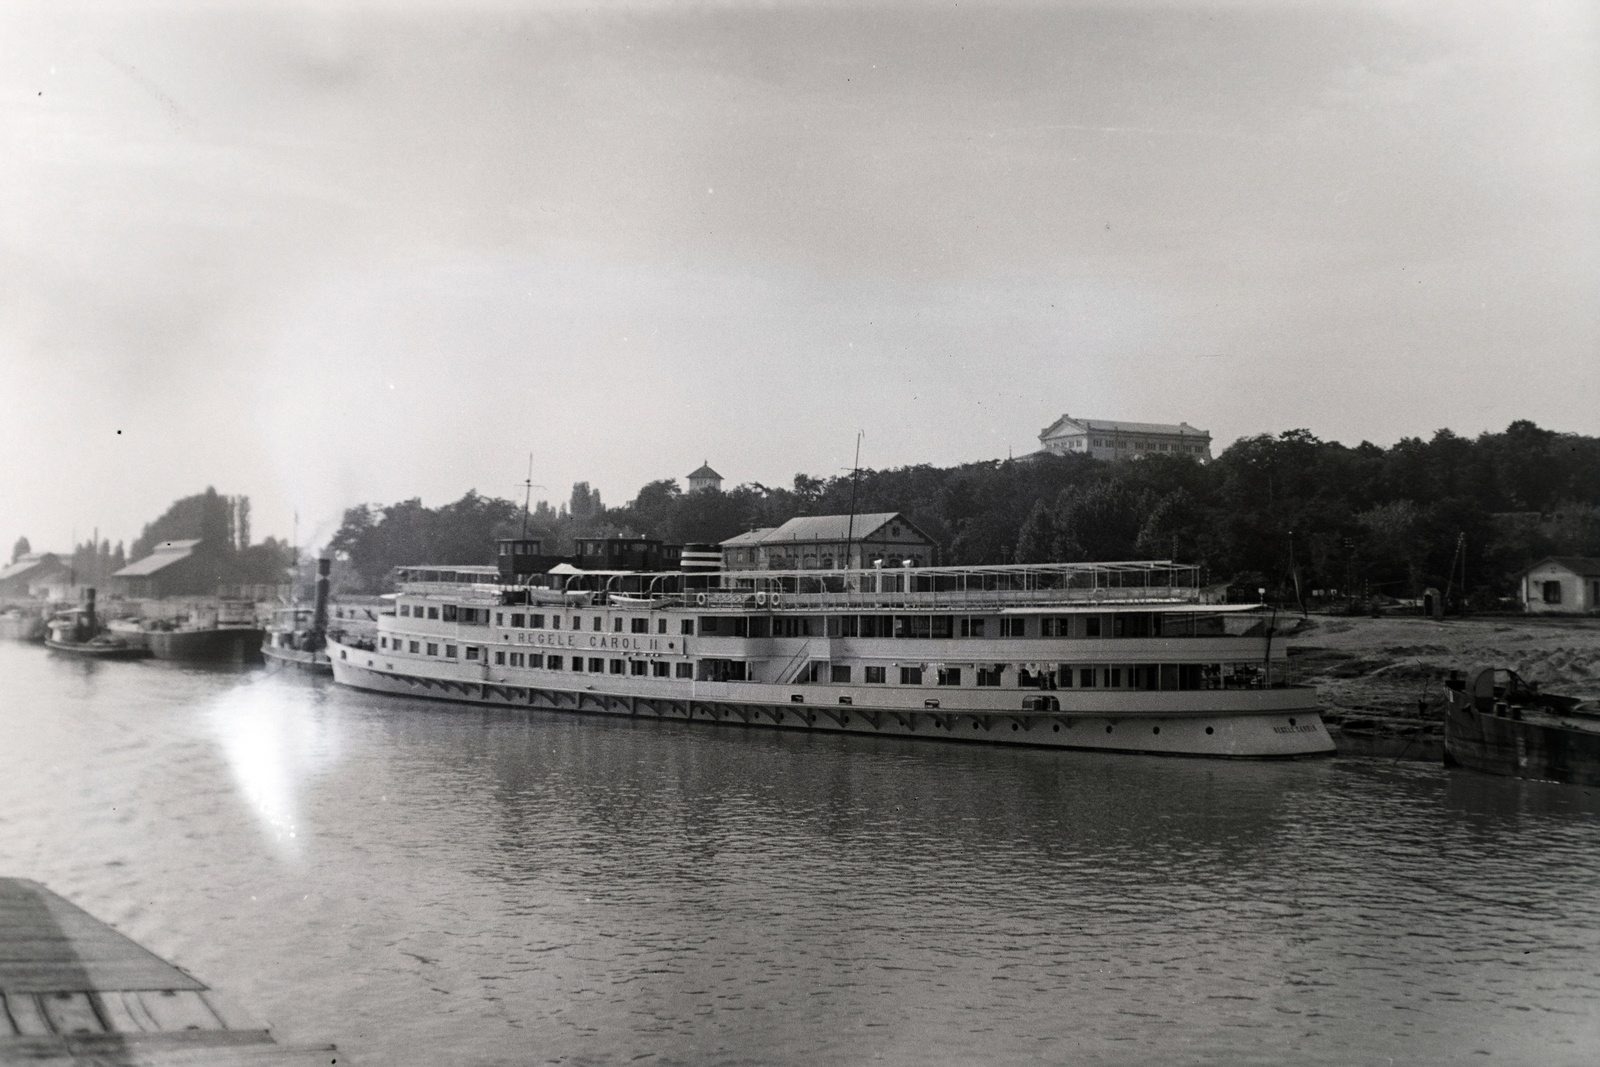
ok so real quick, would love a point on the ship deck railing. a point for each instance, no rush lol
(1126, 584)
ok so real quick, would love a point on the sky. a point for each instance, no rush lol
(341, 253)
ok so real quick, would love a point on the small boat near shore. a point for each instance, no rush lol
(78, 632)
(1500, 724)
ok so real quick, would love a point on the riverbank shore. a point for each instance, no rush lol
(1381, 681)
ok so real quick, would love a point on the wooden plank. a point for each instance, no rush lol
(26, 1015)
(71, 1013)
(120, 1017)
(49, 945)
(179, 1009)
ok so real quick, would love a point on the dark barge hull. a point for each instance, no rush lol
(1545, 751)
(241, 645)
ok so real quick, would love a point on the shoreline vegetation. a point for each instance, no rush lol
(1310, 522)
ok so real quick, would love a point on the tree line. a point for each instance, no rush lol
(1288, 512)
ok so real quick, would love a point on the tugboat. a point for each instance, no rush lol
(1501, 724)
(78, 632)
(297, 636)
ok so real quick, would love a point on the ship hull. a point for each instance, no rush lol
(298, 659)
(92, 650)
(222, 645)
(1280, 723)
(1518, 748)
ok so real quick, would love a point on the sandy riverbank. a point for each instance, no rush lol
(1385, 666)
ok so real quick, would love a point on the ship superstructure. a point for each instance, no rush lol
(1118, 656)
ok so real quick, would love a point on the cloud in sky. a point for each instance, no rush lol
(333, 255)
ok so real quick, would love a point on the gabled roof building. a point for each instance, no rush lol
(31, 574)
(830, 542)
(173, 568)
(1109, 439)
(704, 478)
(1562, 585)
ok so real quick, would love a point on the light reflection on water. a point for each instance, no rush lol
(470, 886)
(274, 746)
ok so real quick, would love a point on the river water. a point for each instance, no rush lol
(425, 883)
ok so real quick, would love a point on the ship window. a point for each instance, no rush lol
(950, 676)
(1017, 627)
(910, 675)
(405, 610)
(1552, 592)
(517, 620)
(553, 663)
(577, 663)
(638, 666)
(685, 670)
(839, 673)
(500, 659)
(535, 659)
(383, 642)
(1091, 626)
(433, 649)
(433, 612)
(661, 669)
(412, 647)
(874, 675)
(913, 626)
(990, 675)
(1064, 676)
(1116, 677)
(450, 651)
(661, 626)
(616, 624)
(555, 622)
(450, 613)
(516, 659)
(971, 627)
(1086, 677)
(687, 626)
(536, 622)
(639, 626)
(598, 666)
(943, 626)
(598, 621)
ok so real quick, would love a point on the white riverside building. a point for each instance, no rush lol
(1115, 656)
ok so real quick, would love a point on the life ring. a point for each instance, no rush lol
(761, 600)
(777, 599)
(700, 598)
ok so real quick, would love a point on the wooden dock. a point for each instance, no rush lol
(75, 993)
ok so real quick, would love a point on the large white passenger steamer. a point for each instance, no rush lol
(1115, 656)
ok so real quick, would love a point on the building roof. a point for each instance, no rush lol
(27, 564)
(1067, 425)
(1586, 566)
(705, 471)
(753, 537)
(160, 558)
(825, 528)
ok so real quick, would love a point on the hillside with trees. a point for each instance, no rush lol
(1278, 511)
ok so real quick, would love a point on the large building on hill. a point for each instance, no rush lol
(1108, 439)
(830, 542)
(704, 478)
